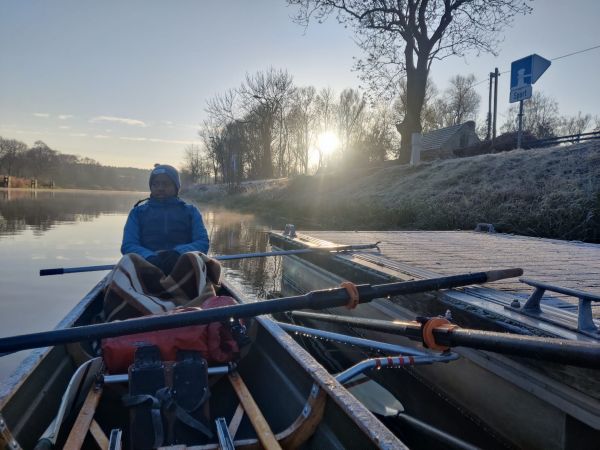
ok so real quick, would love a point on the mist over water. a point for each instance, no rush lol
(48, 229)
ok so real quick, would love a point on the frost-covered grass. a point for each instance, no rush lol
(546, 192)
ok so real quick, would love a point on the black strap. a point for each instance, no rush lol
(201, 402)
(165, 396)
(135, 400)
(184, 417)
(155, 407)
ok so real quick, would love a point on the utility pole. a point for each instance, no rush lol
(496, 75)
(489, 114)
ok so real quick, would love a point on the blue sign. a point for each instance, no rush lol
(523, 73)
(527, 70)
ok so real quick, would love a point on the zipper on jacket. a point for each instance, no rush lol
(166, 226)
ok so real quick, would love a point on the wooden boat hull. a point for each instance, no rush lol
(302, 403)
(515, 401)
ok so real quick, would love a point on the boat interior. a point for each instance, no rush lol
(275, 395)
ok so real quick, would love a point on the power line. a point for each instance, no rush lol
(553, 59)
(576, 53)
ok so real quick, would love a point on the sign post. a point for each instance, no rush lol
(523, 73)
(520, 133)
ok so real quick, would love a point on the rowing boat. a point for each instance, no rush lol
(277, 394)
(487, 398)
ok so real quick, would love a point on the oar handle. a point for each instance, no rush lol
(561, 351)
(500, 274)
(63, 270)
(46, 272)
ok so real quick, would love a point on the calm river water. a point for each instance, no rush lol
(47, 229)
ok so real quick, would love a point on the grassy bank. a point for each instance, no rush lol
(546, 192)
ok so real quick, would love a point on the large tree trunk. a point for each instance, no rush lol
(267, 157)
(416, 83)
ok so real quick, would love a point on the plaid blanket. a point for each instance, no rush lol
(137, 288)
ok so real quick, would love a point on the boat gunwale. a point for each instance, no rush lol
(10, 386)
(368, 423)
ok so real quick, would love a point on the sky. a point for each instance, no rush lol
(126, 82)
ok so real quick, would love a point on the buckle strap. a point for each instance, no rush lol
(166, 398)
(157, 425)
(184, 417)
(135, 400)
(155, 414)
(201, 402)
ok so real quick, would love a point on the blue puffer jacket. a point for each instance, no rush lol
(169, 224)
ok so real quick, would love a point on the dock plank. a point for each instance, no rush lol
(570, 264)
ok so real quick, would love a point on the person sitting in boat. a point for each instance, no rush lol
(163, 227)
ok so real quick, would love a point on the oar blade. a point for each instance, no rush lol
(375, 397)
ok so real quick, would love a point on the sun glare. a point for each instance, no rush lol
(328, 142)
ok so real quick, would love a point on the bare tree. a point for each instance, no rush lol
(432, 111)
(223, 108)
(403, 38)
(268, 89)
(193, 162)
(462, 101)
(325, 112)
(380, 134)
(458, 103)
(541, 116)
(351, 112)
(303, 112)
(210, 133)
(10, 152)
(571, 125)
(42, 159)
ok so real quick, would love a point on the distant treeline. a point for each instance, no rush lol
(48, 166)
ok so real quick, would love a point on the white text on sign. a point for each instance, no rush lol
(520, 93)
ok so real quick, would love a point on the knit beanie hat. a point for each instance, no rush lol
(169, 171)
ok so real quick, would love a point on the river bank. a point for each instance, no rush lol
(552, 192)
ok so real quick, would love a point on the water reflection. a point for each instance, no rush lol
(47, 229)
(41, 210)
(233, 233)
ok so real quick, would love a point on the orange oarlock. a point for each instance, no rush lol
(427, 332)
(352, 292)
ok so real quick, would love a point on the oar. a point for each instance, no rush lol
(78, 386)
(380, 401)
(575, 353)
(327, 298)
(340, 248)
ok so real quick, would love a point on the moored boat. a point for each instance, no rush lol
(301, 403)
(517, 401)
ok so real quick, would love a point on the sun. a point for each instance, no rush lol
(323, 149)
(327, 142)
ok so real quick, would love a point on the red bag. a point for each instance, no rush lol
(214, 341)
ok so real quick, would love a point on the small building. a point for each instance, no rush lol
(442, 143)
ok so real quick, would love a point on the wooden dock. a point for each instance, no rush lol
(570, 264)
